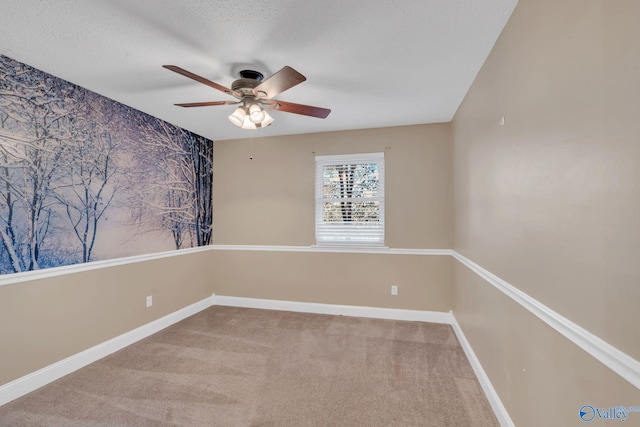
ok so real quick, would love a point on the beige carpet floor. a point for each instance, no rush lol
(230, 366)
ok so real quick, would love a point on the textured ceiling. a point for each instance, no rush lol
(375, 63)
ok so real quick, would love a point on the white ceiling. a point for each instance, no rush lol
(374, 63)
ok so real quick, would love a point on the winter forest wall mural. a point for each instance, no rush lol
(85, 178)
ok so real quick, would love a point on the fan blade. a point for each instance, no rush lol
(205, 104)
(200, 79)
(284, 79)
(306, 110)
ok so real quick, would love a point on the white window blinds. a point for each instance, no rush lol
(350, 199)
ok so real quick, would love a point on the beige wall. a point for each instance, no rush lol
(47, 320)
(550, 201)
(424, 282)
(264, 195)
(269, 200)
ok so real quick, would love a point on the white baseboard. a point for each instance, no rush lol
(492, 396)
(343, 310)
(41, 377)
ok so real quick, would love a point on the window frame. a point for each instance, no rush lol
(350, 238)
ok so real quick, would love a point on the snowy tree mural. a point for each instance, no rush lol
(176, 196)
(83, 177)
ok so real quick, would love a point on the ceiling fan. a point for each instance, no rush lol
(253, 94)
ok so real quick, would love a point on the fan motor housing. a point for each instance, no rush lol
(244, 86)
(247, 81)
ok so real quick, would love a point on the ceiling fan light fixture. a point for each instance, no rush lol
(250, 116)
(238, 117)
(256, 114)
(267, 119)
(248, 124)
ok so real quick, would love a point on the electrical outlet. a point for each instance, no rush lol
(149, 301)
(394, 290)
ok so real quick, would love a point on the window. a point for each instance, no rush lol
(350, 199)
